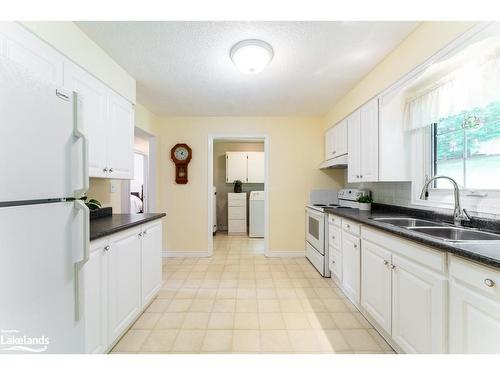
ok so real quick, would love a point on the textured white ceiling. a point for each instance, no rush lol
(184, 69)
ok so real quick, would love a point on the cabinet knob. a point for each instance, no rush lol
(334, 152)
(333, 261)
(347, 226)
(140, 234)
(110, 170)
(105, 170)
(392, 266)
(355, 246)
(489, 283)
(106, 248)
(386, 262)
(144, 233)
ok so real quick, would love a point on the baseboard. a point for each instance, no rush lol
(286, 254)
(184, 254)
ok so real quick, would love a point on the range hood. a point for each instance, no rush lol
(338, 162)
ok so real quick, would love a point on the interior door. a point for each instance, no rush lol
(120, 138)
(376, 283)
(255, 167)
(124, 280)
(354, 147)
(40, 156)
(418, 307)
(351, 264)
(236, 167)
(40, 245)
(93, 108)
(369, 141)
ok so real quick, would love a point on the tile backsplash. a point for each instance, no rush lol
(399, 194)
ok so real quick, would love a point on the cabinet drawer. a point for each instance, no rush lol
(237, 203)
(234, 197)
(334, 220)
(483, 278)
(237, 226)
(334, 237)
(351, 227)
(239, 213)
(424, 255)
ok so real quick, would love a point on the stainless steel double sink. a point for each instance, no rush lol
(439, 230)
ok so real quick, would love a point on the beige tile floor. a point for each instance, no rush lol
(239, 301)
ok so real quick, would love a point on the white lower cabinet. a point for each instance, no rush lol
(474, 308)
(124, 282)
(95, 281)
(418, 307)
(121, 278)
(376, 283)
(351, 263)
(151, 261)
(406, 299)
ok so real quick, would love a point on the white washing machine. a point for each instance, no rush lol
(256, 214)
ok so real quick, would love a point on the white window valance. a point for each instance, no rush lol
(475, 84)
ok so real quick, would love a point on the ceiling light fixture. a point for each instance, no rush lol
(251, 56)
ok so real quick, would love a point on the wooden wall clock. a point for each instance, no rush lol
(181, 155)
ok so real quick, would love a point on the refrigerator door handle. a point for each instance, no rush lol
(79, 133)
(79, 205)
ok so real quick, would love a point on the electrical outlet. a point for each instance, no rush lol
(112, 187)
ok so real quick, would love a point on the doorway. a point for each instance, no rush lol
(242, 216)
(139, 194)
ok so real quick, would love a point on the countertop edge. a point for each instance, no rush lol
(415, 237)
(122, 227)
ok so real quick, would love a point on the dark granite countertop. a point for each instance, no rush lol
(107, 225)
(486, 253)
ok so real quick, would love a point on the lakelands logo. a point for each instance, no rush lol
(11, 340)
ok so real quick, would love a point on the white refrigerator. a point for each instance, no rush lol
(44, 230)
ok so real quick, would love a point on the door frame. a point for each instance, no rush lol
(210, 181)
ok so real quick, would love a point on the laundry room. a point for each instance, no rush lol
(239, 187)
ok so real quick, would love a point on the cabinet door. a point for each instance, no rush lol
(329, 144)
(95, 298)
(474, 321)
(26, 49)
(354, 147)
(335, 259)
(255, 167)
(351, 263)
(341, 138)
(418, 308)
(369, 141)
(151, 261)
(236, 167)
(124, 260)
(94, 101)
(376, 283)
(120, 138)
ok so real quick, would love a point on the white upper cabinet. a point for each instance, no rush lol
(108, 120)
(255, 167)
(248, 167)
(94, 108)
(236, 167)
(39, 59)
(363, 145)
(336, 140)
(120, 138)
(354, 147)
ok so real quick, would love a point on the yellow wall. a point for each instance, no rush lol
(425, 41)
(295, 151)
(72, 42)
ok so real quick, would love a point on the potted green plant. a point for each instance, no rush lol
(365, 202)
(237, 186)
